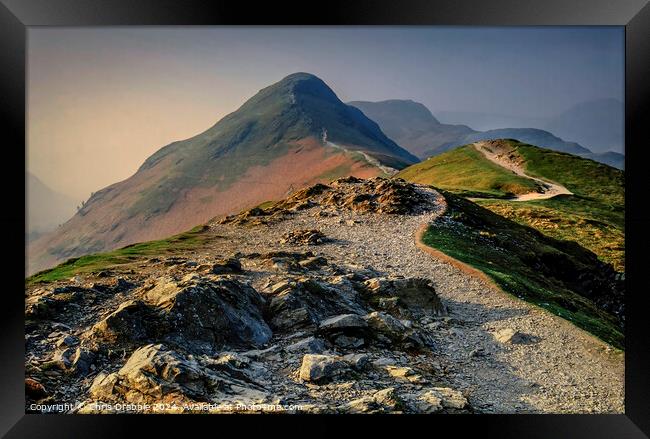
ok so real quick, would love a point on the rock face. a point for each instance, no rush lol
(386, 324)
(390, 330)
(200, 314)
(346, 330)
(318, 368)
(344, 322)
(196, 341)
(215, 312)
(154, 373)
(408, 297)
(185, 340)
(305, 302)
(131, 321)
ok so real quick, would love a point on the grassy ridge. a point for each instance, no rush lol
(466, 171)
(530, 265)
(585, 178)
(125, 255)
(570, 218)
(593, 217)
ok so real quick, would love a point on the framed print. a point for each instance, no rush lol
(352, 215)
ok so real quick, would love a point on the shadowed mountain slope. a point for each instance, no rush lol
(412, 125)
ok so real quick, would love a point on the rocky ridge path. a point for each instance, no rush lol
(559, 368)
(323, 301)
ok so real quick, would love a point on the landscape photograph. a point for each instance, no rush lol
(325, 220)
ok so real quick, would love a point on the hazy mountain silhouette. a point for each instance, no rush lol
(413, 127)
(411, 124)
(46, 208)
(598, 124)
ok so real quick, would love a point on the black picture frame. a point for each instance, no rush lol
(17, 15)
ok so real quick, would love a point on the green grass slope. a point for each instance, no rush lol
(570, 218)
(560, 276)
(593, 217)
(467, 172)
(126, 255)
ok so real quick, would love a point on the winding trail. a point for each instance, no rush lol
(562, 370)
(493, 152)
(371, 160)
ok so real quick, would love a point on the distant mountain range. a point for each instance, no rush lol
(289, 135)
(532, 136)
(599, 124)
(412, 126)
(46, 208)
(488, 121)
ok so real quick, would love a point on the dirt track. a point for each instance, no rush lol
(562, 370)
(496, 154)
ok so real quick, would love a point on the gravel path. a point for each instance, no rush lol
(561, 369)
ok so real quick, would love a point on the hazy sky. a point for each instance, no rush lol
(101, 100)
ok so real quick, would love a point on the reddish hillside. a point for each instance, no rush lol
(269, 147)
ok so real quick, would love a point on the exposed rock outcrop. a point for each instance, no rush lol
(196, 341)
(377, 195)
(244, 323)
(156, 375)
(406, 297)
(303, 237)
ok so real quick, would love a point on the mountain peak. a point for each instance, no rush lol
(300, 76)
(271, 144)
(294, 90)
(305, 84)
(299, 82)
